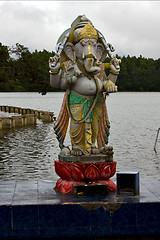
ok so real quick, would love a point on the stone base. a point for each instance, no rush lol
(65, 186)
(94, 158)
(33, 210)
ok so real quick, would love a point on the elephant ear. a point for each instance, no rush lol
(101, 52)
(69, 51)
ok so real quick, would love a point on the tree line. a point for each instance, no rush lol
(21, 70)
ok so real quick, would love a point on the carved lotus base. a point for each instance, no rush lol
(65, 186)
(75, 173)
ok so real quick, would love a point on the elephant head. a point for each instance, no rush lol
(86, 50)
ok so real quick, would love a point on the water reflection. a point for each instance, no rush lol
(28, 152)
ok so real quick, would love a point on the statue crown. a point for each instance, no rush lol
(89, 32)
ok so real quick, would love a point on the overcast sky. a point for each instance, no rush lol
(132, 27)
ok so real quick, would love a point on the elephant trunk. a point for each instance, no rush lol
(90, 65)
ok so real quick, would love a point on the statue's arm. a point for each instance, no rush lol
(110, 80)
(114, 69)
(59, 80)
(55, 80)
(109, 85)
(55, 72)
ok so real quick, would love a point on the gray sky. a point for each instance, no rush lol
(132, 27)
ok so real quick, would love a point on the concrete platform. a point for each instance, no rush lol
(33, 210)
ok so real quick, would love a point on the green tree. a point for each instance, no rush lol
(5, 69)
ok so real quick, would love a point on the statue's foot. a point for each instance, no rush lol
(65, 151)
(109, 148)
(76, 152)
(95, 150)
(106, 149)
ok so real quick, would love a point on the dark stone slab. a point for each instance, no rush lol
(25, 216)
(25, 233)
(48, 233)
(76, 216)
(51, 216)
(100, 232)
(74, 233)
(123, 231)
(5, 218)
(124, 215)
(65, 233)
(100, 217)
(34, 210)
(5, 234)
(148, 215)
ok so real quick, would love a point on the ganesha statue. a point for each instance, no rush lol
(78, 67)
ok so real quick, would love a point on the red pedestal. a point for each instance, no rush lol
(75, 173)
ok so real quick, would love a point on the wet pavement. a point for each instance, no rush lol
(29, 192)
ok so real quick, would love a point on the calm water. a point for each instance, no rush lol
(29, 153)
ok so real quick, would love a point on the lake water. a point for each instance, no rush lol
(29, 153)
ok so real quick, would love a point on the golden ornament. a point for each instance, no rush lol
(88, 32)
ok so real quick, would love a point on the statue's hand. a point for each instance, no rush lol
(109, 86)
(114, 65)
(54, 64)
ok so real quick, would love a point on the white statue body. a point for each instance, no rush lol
(83, 73)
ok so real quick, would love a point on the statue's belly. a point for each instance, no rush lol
(86, 86)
